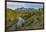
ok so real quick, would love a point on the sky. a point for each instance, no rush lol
(14, 5)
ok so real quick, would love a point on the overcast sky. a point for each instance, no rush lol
(14, 5)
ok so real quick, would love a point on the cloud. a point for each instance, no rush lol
(15, 5)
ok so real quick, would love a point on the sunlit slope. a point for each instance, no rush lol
(33, 20)
(12, 15)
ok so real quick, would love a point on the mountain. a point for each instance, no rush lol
(25, 9)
